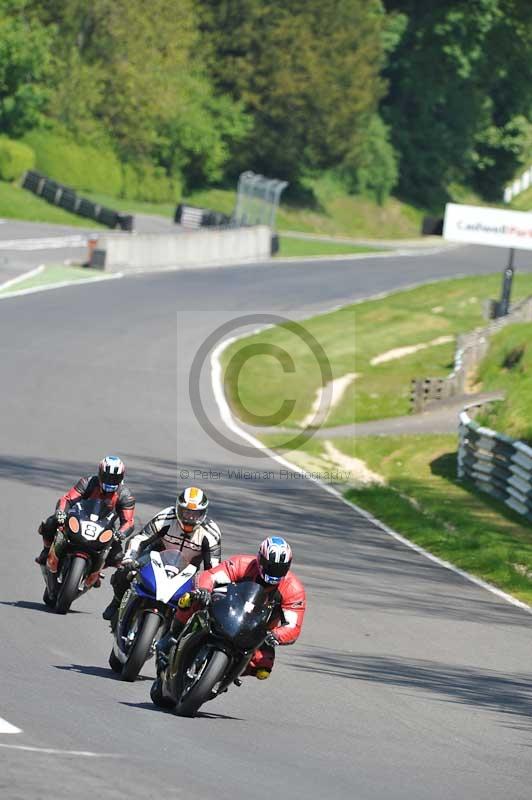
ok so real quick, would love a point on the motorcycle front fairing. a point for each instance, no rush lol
(240, 613)
(161, 580)
(164, 576)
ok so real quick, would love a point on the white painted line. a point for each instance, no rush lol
(61, 285)
(53, 752)
(6, 727)
(24, 277)
(229, 420)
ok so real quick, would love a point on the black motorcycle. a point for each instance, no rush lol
(215, 647)
(78, 553)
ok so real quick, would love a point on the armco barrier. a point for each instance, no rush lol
(470, 350)
(67, 198)
(496, 464)
(116, 252)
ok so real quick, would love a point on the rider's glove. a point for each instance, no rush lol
(201, 596)
(185, 601)
(271, 640)
(60, 516)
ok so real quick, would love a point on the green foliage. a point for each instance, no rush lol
(460, 80)
(15, 158)
(143, 181)
(76, 165)
(371, 169)
(25, 64)
(508, 366)
(307, 72)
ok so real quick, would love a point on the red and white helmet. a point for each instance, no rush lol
(111, 473)
(191, 507)
(275, 558)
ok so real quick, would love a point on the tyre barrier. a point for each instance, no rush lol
(496, 464)
(193, 218)
(67, 198)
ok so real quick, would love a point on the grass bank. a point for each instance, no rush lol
(422, 499)
(508, 366)
(17, 203)
(53, 274)
(351, 338)
(290, 247)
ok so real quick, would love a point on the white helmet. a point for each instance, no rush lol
(191, 507)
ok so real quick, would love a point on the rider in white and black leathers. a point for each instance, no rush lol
(182, 527)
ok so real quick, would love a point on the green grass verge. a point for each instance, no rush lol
(424, 501)
(508, 366)
(335, 213)
(17, 203)
(290, 246)
(351, 337)
(54, 274)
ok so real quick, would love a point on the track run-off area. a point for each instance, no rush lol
(408, 682)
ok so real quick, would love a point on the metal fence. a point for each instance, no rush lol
(257, 199)
(67, 198)
(496, 464)
(470, 350)
(520, 184)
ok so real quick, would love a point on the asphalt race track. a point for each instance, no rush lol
(407, 683)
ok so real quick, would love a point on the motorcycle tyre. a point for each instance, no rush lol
(140, 651)
(69, 588)
(202, 690)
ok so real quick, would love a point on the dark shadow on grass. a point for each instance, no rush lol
(473, 686)
(445, 466)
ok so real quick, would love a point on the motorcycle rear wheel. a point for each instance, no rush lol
(201, 690)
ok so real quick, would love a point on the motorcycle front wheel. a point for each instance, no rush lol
(141, 647)
(70, 586)
(197, 690)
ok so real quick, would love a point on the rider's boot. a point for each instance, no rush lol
(47, 543)
(43, 556)
(165, 644)
(112, 609)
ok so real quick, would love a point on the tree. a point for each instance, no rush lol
(307, 71)
(25, 63)
(459, 78)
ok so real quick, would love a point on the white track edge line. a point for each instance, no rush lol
(61, 285)
(54, 752)
(7, 727)
(23, 277)
(229, 420)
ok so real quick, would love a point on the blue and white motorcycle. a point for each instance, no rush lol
(147, 609)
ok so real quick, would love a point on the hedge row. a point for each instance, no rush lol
(98, 170)
(15, 159)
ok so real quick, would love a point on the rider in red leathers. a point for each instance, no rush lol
(107, 486)
(271, 568)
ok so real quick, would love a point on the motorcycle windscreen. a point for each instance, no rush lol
(241, 612)
(164, 575)
(88, 525)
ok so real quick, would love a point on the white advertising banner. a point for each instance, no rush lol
(491, 226)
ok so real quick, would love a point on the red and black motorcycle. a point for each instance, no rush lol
(78, 553)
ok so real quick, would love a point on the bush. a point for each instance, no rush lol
(146, 182)
(371, 170)
(77, 165)
(15, 158)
